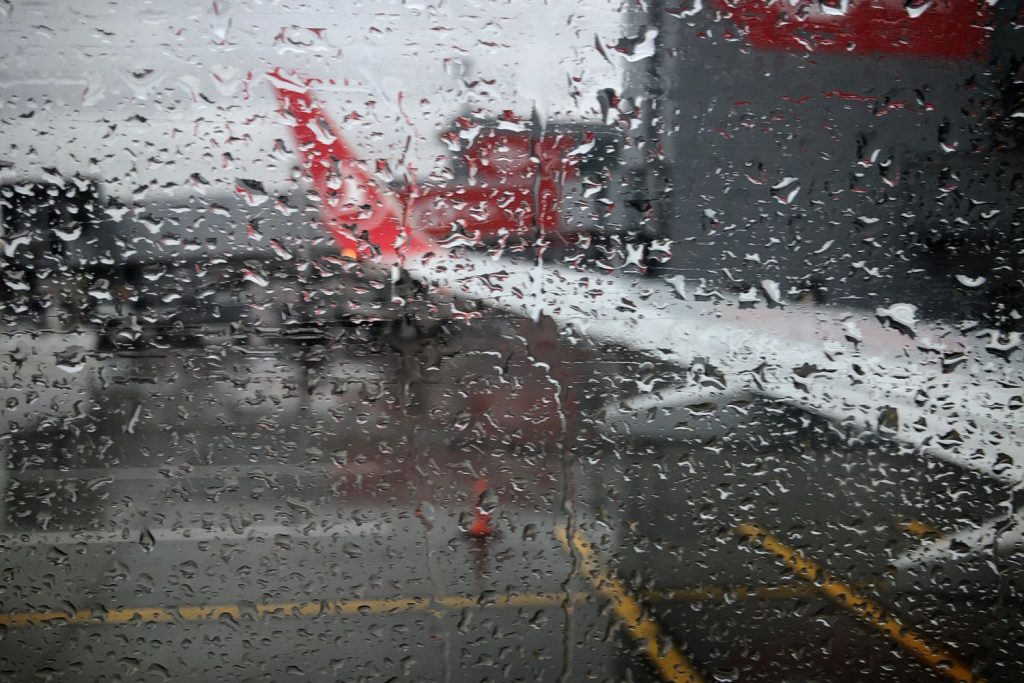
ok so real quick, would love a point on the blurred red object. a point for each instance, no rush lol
(954, 29)
(481, 526)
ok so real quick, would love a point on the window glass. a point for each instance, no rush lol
(471, 340)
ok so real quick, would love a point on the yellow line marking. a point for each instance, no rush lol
(315, 608)
(309, 609)
(920, 529)
(667, 659)
(862, 607)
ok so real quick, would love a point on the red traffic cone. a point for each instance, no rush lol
(481, 526)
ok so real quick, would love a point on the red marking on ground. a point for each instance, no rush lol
(852, 96)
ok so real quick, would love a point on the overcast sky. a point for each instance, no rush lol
(136, 92)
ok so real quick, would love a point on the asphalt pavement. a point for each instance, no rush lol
(463, 506)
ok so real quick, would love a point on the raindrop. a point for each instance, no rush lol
(971, 282)
(903, 314)
(772, 291)
(146, 540)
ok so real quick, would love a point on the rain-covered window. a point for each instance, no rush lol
(479, 340)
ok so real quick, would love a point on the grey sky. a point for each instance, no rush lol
(142, 92)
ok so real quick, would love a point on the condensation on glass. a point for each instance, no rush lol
(658, 340)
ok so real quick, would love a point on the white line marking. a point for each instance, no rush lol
(339, 531)
(176, 471)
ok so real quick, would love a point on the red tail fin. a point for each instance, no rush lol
(364, 220)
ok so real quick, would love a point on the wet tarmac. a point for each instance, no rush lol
(263, 509)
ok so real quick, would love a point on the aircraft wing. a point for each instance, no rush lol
(890, 383)
(938, 391)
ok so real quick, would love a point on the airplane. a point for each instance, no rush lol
(943, 393)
